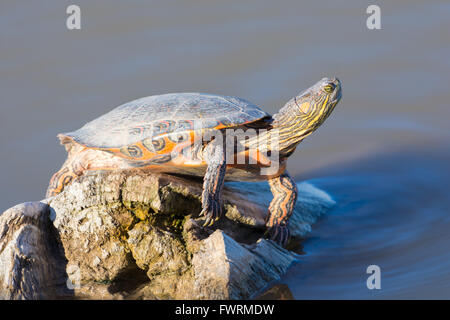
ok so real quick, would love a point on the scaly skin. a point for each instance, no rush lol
(213, 183)
(284, 190)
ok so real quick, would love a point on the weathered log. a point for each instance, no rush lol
(32, 263)
(137, 235)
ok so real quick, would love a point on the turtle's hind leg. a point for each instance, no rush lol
(284, 190)
(69, 170)
(61, 179)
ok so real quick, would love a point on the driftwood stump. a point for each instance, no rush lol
(137, 235)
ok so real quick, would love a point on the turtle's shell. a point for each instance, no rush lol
(144, 127)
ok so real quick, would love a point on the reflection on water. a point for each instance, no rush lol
(276, 292)
(392, 211)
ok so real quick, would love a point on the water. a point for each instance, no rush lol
(392, 211)
(383, 154)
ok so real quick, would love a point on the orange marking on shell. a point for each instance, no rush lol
(147, 154)
(220, 126)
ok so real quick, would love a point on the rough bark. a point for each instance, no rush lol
(137, 235)
(32, 264)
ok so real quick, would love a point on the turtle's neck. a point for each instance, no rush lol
(290, 126)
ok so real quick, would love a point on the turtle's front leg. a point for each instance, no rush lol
(284, 190)
(214, 156)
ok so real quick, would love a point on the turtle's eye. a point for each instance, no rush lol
(328, 88)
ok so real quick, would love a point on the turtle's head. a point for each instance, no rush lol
(317, 102)
(307, 111)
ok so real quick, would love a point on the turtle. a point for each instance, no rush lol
(204, 135)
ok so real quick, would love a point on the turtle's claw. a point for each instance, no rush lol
(212, 213)
(278, 233)
(208, 222)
